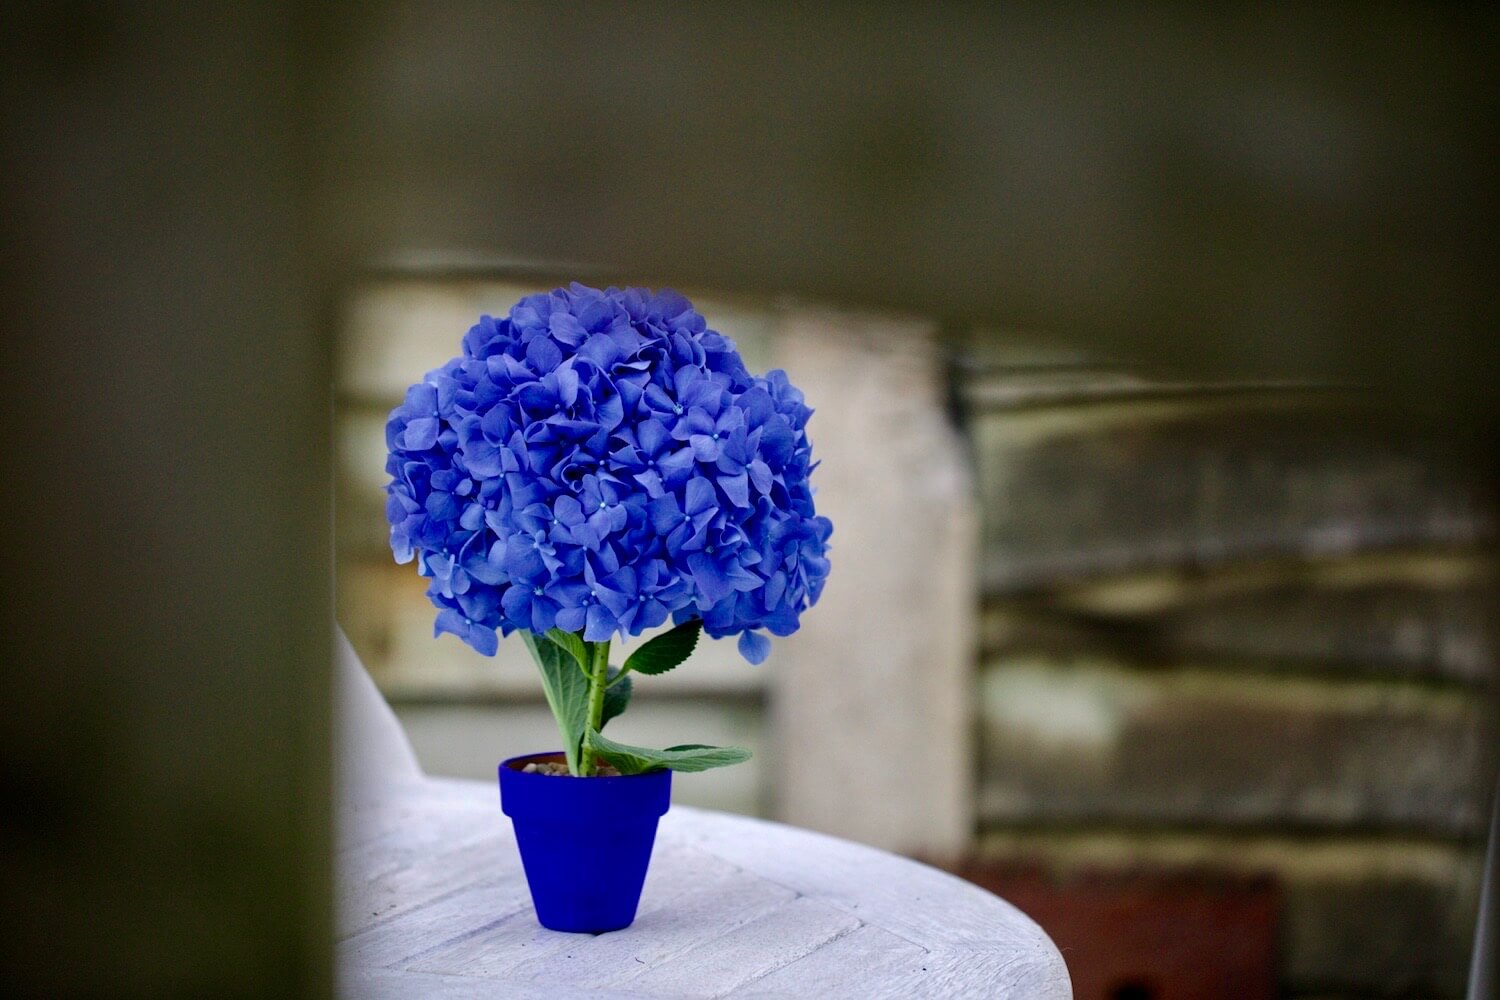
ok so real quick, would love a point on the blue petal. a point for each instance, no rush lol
(665, 514)
(757, 406)
(754, 647)
(710, 577)
(420, 434)
(483, 458)
(775, 588)
(656, 397)
(543, 355)
(571, 619)
(651, 483)
(617, 603)
(522, 561)
(480, 605)
(598, 524)
(699, 496)
(698, 421)
(704, 394)
(677, 466)
(599, 624)
(596, 313)
(760, 475)
(450, 621)
(705, 448)
(537, 397)
(568, 510)
(484, 571)
(483, 639)
(401, 546)
(442, 506)
(566, 328)
(421, 400)
(651, 614)
(601, 350)
(651, 435)
(737, 489)
(517, 603)
(543, 615)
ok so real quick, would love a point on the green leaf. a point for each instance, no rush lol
(688, 757)
(573, 644)
(616, 696)
(666, 650)
(567, 693)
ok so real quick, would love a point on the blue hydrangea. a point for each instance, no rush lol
(600, 462)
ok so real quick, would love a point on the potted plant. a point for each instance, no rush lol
(593, 465)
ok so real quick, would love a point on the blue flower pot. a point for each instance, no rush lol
(585, 842)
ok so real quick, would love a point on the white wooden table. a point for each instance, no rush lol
(433, 904)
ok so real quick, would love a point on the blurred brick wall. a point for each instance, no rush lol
(1233, 629)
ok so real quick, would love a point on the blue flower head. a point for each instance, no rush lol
(600, 462)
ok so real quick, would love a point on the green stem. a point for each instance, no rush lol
(598, 676)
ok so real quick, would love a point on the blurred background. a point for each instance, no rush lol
(1215, 653)
(1152, 352)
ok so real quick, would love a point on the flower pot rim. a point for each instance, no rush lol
(514, 764)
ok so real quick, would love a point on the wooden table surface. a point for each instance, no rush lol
(433, 904)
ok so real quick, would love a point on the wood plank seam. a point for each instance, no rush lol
(838, 935)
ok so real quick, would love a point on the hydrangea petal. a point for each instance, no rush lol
(736, 488)
(420, 434)
(754, 647)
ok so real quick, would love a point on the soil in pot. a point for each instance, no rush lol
(557, 765)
